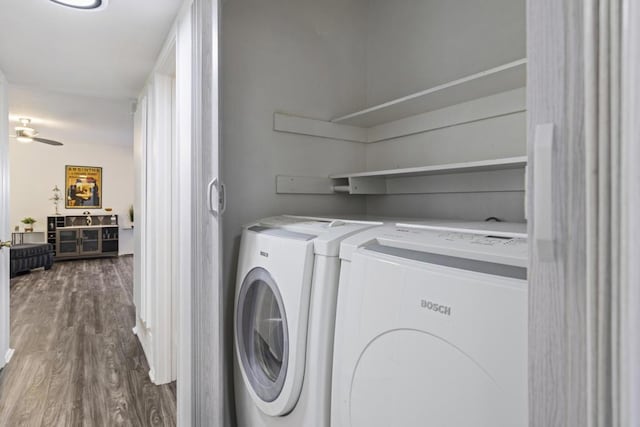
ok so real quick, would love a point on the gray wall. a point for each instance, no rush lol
(304, 57)
(324, 58)
(415, 44)
(487, 139)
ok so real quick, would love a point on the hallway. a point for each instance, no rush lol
(76, 359)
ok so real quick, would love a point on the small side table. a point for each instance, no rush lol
(18, 237)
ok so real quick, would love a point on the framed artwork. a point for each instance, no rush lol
(83, 185)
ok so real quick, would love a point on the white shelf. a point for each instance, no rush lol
(492, 93)
(495, 175)
(478, 166)
(489, 82)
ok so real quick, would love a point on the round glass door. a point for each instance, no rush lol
(262, 334)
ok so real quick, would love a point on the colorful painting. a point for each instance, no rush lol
(83, 187)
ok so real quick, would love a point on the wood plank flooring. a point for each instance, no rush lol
(77, 362)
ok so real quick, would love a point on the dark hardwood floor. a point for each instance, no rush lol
(76, 361)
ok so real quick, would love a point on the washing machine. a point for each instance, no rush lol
(285, 301)
(431, 327)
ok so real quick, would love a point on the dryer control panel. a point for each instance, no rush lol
(497, 248)
(488, 240)
(491, 248)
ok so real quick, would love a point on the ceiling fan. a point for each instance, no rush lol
(27, 134)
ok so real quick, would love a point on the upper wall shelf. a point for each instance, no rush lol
(489, 82)
(492, 93)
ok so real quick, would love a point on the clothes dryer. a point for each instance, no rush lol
(431, 327)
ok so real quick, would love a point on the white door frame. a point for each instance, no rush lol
(184, 203)
(164, 224)
(160, 224)
(155, 222)
(630, 177)
(140, 205)
(5, 321)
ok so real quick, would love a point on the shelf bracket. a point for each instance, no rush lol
(368, 185)
(286, 184)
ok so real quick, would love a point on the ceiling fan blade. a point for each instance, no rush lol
(48, 141)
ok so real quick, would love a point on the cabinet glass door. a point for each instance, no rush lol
(90, 242)
(110, 240)
(67, 243)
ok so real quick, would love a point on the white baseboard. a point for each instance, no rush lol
(9, 355)
(135, 330)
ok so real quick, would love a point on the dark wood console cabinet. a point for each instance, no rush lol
(73, 238)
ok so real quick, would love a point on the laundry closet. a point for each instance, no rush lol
(412, 109)
(429, 92)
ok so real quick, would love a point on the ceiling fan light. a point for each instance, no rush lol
(83, 4)
(24, 139)
(26, 131)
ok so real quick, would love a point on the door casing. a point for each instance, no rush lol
(5, 321)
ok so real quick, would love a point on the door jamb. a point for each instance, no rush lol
(184, 201)
(6, 352)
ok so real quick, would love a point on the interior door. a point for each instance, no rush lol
(558, 347)
(210, 378)
(5, 236)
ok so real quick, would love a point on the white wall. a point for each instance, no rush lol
(94, 131)
(73, 118)
(36, 168)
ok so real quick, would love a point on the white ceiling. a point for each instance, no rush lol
(107, 53)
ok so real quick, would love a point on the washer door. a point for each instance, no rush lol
(262, 334)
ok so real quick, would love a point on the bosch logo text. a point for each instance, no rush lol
(439, 308)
